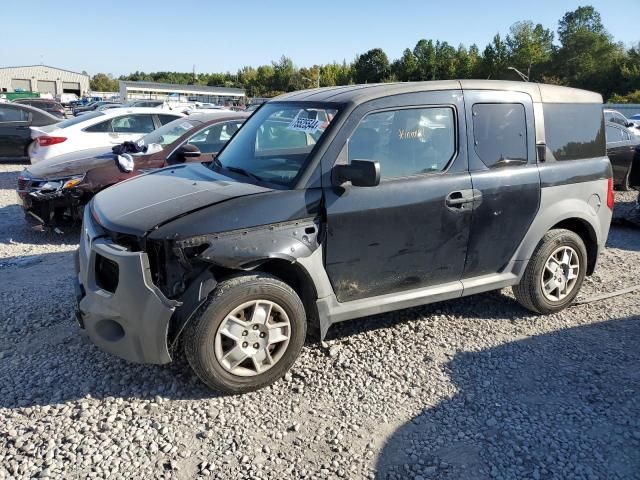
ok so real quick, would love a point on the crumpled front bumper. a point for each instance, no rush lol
(131, 319)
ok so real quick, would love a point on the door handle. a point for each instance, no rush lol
(459, 199)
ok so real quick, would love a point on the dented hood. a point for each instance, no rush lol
(138, 205)
(73, 163)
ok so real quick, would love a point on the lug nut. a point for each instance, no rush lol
(256, 346)
(245, 344)
(255, 327)
(262, 335)
(245, 333)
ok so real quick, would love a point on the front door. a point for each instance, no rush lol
(411, 230)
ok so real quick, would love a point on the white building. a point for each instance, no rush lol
(167, 91)
(43, 79)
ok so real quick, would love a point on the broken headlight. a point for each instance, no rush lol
(51, 186)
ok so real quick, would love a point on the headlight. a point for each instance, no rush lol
(61, 184)
(72, 182)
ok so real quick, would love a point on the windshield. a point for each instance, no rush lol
(275, 144)
(81, 118)
(168, 133)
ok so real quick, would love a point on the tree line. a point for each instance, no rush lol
(581, 54)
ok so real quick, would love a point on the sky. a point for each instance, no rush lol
(120, 37)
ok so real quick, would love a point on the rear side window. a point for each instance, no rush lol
(499, 132)
(101, 127)
(614, 134)
(164, 119)
(406, 142)
(574, 130)
(79, 119)
(12, 114)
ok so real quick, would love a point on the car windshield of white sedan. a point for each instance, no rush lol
(81, 118)
(168, 133)
(275, 144)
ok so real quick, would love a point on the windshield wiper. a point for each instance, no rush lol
(244, 172)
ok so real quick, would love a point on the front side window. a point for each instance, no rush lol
(500, 133)
(213, 138)
(276, 143)
(407, 141)
(133, 124)
(168, 133)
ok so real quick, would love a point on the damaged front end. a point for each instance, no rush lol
(51, 202)
(186, 270)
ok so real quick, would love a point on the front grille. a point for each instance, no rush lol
(107, 273)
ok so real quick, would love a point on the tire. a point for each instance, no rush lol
(530, 292)
(209, 350)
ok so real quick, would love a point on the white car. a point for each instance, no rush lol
(96, 129)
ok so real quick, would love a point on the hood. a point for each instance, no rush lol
(74, 163)
(138, 205)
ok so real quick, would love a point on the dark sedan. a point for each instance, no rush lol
(15, 134)
(50, 106)
(55, 191)
(623, 149)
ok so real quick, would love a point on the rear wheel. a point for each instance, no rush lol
(247, 335)
(554, 274)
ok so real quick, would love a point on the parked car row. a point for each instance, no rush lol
(54, 191)
(234, 234)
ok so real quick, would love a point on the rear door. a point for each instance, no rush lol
(503, 167)
(15, 135)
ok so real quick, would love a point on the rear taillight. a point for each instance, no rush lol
(611, 199)
(48, 141)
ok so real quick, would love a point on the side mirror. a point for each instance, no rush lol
(186, 152)
(629, 124)
(361, 173)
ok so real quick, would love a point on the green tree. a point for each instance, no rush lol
(102, 82)
(371, 66)
(405, 68)
(425, 54)
(588, 58)
(530, 47)
(495, 60)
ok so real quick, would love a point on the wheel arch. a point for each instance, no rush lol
(298, 278)
(587, 234)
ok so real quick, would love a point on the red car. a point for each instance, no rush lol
(55, 190)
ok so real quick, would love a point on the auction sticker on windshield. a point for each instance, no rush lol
(301, 124)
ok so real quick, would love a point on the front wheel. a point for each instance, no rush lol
(247, 335)
(554, 274)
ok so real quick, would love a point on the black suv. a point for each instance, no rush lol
(337, 203)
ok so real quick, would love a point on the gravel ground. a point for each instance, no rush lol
(469, 389)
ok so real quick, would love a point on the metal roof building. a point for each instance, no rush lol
(162, 91)
(43, 79)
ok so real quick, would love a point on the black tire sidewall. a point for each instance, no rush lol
(565, 238)
(203, 329)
